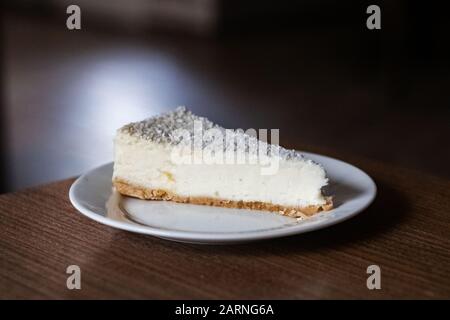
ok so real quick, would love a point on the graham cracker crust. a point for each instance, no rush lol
(131, 190)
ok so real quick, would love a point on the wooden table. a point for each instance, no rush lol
(405, 232)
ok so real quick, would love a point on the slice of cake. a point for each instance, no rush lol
(181, 157)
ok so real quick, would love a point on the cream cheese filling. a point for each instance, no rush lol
(297, 182)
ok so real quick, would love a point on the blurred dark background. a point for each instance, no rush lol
(310, 68)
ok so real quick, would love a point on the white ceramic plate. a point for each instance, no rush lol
(92, 194)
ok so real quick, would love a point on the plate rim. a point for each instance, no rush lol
(217, 238)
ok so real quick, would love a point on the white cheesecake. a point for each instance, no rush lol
(181, 157)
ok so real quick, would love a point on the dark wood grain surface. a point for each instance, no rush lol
(405, 232)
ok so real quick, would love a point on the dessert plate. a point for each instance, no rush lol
(92, 194)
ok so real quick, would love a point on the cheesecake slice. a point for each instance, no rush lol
(182, 157)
